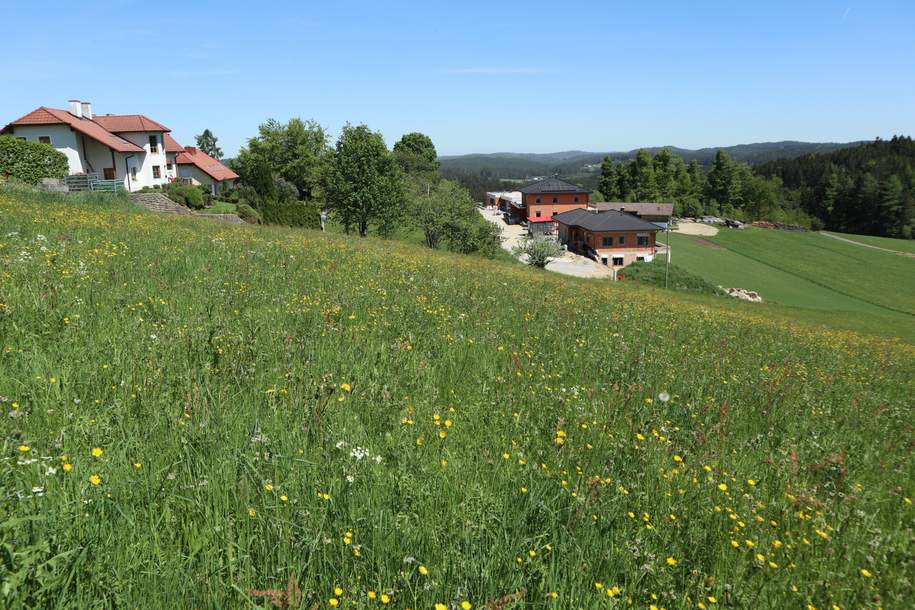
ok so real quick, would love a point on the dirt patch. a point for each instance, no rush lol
(696, 228)
(707, 244)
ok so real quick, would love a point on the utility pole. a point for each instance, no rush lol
(667, 267)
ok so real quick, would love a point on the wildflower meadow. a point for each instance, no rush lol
(202, 415)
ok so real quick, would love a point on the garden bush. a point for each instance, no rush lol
(30, 161)
(186, 195)
(247, 213)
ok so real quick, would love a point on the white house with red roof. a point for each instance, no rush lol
(131, 148)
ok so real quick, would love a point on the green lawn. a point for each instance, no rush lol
(194, 412)
(221, 207)
(900, 245)
(808, 271)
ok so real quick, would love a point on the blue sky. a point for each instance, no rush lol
(477, 76)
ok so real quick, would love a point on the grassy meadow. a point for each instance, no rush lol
(849, 285)
(202, 415)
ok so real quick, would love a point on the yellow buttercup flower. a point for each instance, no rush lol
(385, 598)
(423, 570)
(671, 561)
(24, 448)
(95, 479)
(466, 605)
(97, 452)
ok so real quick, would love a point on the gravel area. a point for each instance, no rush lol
(568, 264)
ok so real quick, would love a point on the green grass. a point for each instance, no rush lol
(657, 273)
(900, 245)
(221, 207)
(273, 403)
(873, 290)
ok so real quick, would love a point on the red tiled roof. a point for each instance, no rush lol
(205, 163)
(171, 144)
(122, 123)
(52, 116)
(541, 219)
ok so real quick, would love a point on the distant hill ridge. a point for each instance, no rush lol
(573, 162)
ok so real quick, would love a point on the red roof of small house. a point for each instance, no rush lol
(123, 123)
(171, 144)
(541, 219)
(205, 163)
(53, 116)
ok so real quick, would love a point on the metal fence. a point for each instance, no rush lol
(91, 182)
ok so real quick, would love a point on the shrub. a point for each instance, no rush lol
(291, 213)
(30, 161)
(186, 195)
(538, 251)
(677, 278)
(247, 213)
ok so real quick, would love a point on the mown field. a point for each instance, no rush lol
(195, 412)
(862, 288)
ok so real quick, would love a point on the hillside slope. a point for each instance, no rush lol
(197, 412)
(809, 270)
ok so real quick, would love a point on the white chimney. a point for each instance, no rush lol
(87, 110)
(76, 108)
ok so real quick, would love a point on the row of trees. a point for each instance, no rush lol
(728, 188)
(863, 189)
(364, 186)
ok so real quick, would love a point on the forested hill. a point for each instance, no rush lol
(571, 163)
(864, 189)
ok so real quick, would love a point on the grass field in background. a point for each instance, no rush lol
(195, 412)
(900, 245)
(809, 271)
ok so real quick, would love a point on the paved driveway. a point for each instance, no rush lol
(568, 264)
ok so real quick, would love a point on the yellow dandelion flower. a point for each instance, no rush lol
(338, 591)
(284, 498)
(723, 486)
(252, 513)
(95, 479)
(672, 562)
(346, 387)
(440, 606)
(68, 467)
(24, 448)
(423, 570)
(865, 573)
(137, 465)
(466, 605)
(97, 452)
(677, 458)
(372, 594)
(712, 599)
(334, 602)
(385, 598)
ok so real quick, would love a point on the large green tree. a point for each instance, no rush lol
(364, 184)
(415, 153)
(297, 151)
(207, 142)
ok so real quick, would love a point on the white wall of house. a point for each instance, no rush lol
(145, 163)
(62, 137)
(199, 177)
(171, 174)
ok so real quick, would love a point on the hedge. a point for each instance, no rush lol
(30, 161)
(291, 213)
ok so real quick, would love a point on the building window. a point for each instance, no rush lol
(537, 200)
(617, 261)
(607, 242)
(156, 172)
(555, 199)
(168, 166)
(642, 240)
(133, 173)
(576, 199)
(44, 139)
(108, 172)
(640, 259)
(622, 240)
(538, 214)
(153, 144)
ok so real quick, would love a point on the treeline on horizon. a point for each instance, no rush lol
(867, 189)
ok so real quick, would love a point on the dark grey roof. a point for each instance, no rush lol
(609, 220)
(552, 185)
(638, 208)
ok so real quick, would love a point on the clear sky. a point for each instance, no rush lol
(477, 76)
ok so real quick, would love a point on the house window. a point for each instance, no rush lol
(622, 240)
(537, 200)
(640, 259)
(108, 172)
(555, 199)
(538, 213)
(168, 166)
(617, 261)
(607, 242)
(153, 144)
(44, 139)
(575, 200)
(133, 173)
(642, 240)
(156, 172)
